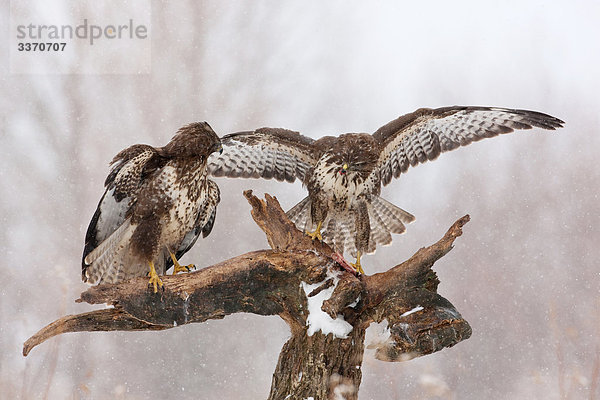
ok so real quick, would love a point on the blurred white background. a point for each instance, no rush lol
(525, 274)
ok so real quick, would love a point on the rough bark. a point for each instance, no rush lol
(270, 282)
(307, 363)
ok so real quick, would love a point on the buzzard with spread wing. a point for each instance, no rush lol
(344, 174)
(157, 203)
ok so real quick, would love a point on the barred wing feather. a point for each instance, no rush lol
(426, 133)
(264, 153)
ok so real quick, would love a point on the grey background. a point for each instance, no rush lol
(525, 273)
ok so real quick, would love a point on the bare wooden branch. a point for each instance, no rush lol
(110, 319)
(281, 233)
(420, 321)
(272, 282)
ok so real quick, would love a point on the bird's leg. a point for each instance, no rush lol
(357, 265)
(154, 279)
(317, 233)
(178, 267)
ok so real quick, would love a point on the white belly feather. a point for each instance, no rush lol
(341, 191)
(182, 216)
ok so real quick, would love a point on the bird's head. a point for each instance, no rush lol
(218, 147)
(193, 140)
(344, 169)
(350, 153)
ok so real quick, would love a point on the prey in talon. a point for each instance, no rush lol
(337, 257)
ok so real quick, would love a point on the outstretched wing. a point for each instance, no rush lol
(129, 168)
(426, 133)
(264, 153)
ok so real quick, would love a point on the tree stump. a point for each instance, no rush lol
(327, 308)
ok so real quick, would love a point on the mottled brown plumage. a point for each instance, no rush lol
(156, 204)
(344, 174)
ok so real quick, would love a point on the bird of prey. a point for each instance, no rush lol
(157, 203)
(344, 174)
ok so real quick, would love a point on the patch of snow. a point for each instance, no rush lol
(355, 302)
(414, 310)
(404, 328)
(386, 333)
(382, 335)
(453, 313)
(341, 391)
(319, 320)
(300, 376)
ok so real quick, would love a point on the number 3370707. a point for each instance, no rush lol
(41, 46)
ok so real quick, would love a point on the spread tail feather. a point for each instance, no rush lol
(339, 229)
(339, 233)
(393, 217)
(300, 215)
(107, 259)
(384, 219)
(380, 234)
(336, 228)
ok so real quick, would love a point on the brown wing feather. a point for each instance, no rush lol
(426, 133)
(264, 153)
(122, 185)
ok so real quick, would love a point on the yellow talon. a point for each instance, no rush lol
(317, 233)
(154, 279)
(178, 267)
(357, 265)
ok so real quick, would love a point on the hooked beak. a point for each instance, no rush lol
(219, 148)
(344, 169)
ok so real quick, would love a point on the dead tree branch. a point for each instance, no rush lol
(274, 282)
